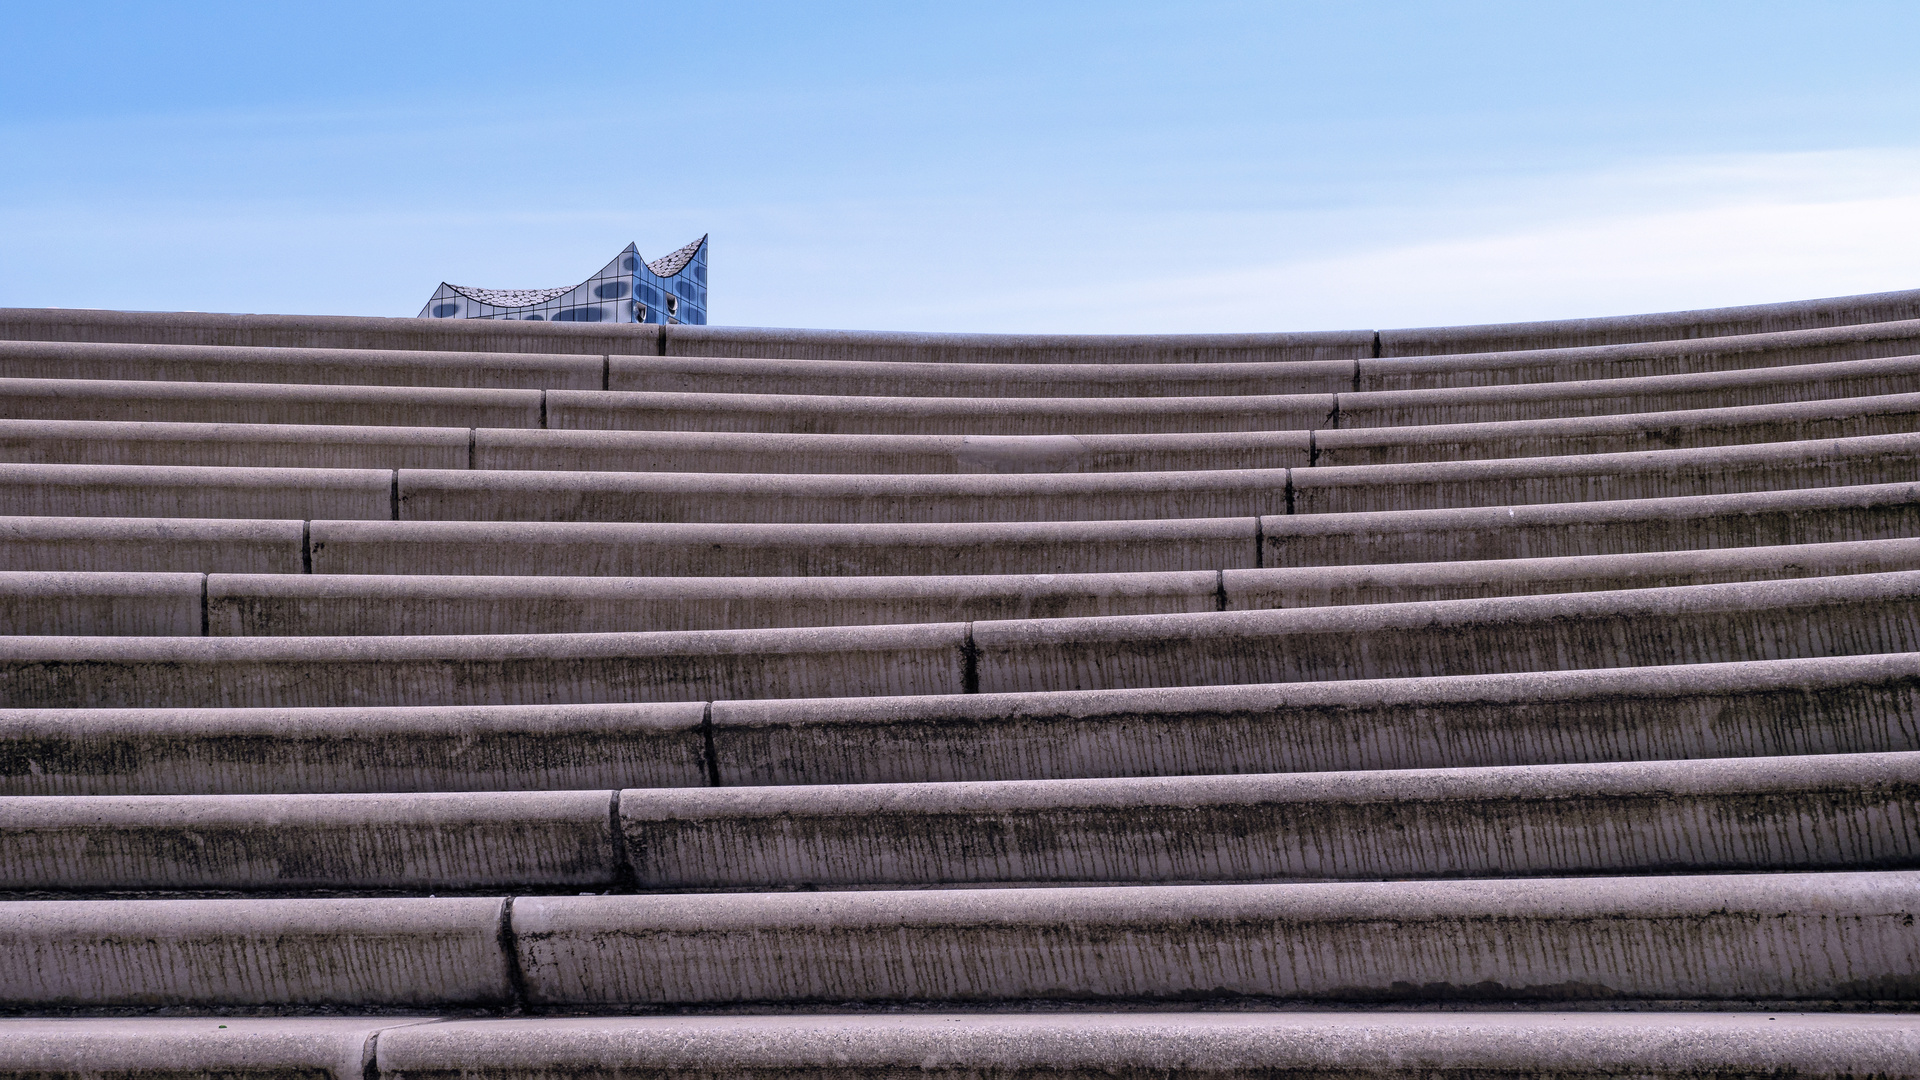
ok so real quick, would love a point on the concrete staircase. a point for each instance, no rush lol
(409, 698)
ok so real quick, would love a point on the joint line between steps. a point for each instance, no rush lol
(707, 749)
(623, 875)
(606, 371)
(969, 663)
(206, 616)
(306, 546)
(1259, 543)
(510, 949)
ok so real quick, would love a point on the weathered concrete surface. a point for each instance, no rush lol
(282, 605)
(484, 335)
(1689, 355)
(836, 415)
(395, 749)
(1867, 512)
(254, 403)
(292, 446)
(186, 491)
(1654, 393)
(1844, 811)
(1646, 474)
(756, 452)
(151, 544)
(1843, 705)
(1777, 936)
(151, 1048)
(472, 495)
(66, 602)
(1776, 620)
(863, 378)
(1838, 418)
(1180, 1046)
(198, 953)
(1664, 326)
(1751, 708)
(504, 669)
(612, 549)
(305, 605)
(418, 841)
(334, 367)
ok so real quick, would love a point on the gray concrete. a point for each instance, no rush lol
(302, 605)
(337, 367)
(610, 549)
(289, 446)
(151, 544)
(716, 498)
(66, 602)
(1815, 515)
(1861, 341)
(835, 415)
(151, 1048)
(1749, 708)
(518, 669)
(419, 841)
(197, 953)
(1838, 418)
(1605, 397)
(1846, 811)
(1645, 474)
(1777, 936)
(1174, 1045)
(242, 403)
(717, 375)
(1815, 617)
(484, 335)
(1663, 326)
(185, 491)
(1776, 620)
(1843, 705)
(394, 749)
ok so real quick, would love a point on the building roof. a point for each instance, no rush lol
(509, 297)
(674, 262)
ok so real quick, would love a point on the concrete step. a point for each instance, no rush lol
(253, 403)
(1079, 1045)
(1857, 614)
(420, 367)
(103, 442)
(1775, 937)
(1750, 708)
(354, 332)
(282, 605)
(525, 495)
(1837, 812)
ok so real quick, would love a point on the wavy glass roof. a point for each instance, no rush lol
(670, 289)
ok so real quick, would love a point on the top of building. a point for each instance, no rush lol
(670, 289)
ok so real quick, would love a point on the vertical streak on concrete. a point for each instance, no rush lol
(306, 547)
(393, 495)
(543, 410)
(1256, 517)
(969, 663)
(510, 950)
(473, 447)
(1376, 344)
(1260, 541)
(707, 748)
(660, 340)
(623, 875)
(206, 617)
(1313, 448)
(1333, 418)
(606, 371)
(1220, 589)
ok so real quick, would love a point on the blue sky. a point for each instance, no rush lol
(1111, 167)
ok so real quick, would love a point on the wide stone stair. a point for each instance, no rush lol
(433, 698)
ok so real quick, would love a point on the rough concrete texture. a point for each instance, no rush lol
(185, 491)
(1777, 936)
(1851, 811)
(292, 446)
(609, 549)
(229, 403)
(198, 953)
(393, 749)
(421, 841)
(152, 544)
(332, 367)
(713, 375)
(143, 1048)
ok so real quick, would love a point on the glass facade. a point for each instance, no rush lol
(670, 289)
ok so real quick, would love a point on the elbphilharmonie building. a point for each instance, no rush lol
(670, 289)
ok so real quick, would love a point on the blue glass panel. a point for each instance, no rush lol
(629, 263)
(581, 314)
(443, 311)
(536, 318)
(611, 290)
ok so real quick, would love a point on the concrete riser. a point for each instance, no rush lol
(1851, 811)
(1769, 937)
(282, 605)
(1848, 705)
(1817, 617)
